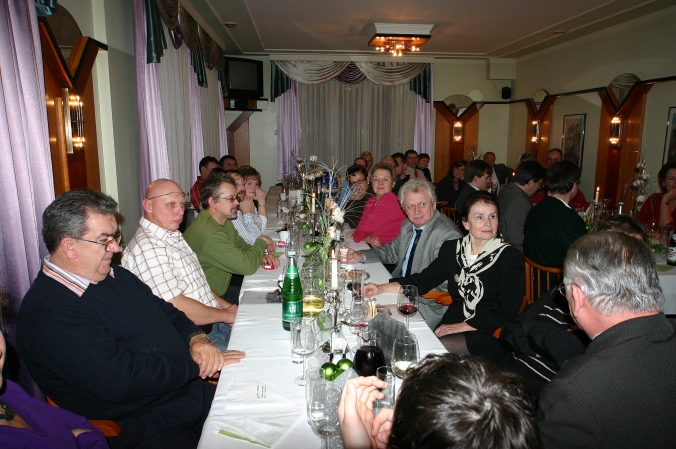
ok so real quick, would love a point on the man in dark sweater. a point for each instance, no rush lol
(552, 226)
(99, 343)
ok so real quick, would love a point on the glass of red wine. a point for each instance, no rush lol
(369, 357)
(407, 302)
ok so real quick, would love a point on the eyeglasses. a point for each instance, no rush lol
(420, 205)
(562, 289)
(179, 195)
(109, 244)
(232, 199)
(354, 183)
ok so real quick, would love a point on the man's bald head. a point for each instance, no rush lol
(389, 160)
(164, 204)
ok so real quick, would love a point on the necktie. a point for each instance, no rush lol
(415, 173)
(409, 265)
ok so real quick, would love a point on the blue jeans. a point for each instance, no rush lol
(220, 335)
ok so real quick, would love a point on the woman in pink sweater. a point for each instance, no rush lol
(382, 217)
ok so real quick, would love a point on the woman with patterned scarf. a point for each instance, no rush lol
(485, 280)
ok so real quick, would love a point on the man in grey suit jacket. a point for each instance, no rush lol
(620, 393)
(418, 199)
(514, 201)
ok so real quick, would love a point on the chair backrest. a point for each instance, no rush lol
(450, 212)
(540, 279)
(109, 428)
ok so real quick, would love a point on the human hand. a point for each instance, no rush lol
(382, 427)
(355, 256)
(229, 314)
(77, 432)
(372, 289)
(447, 329)
(246, 205)
(231, 357)
(350, 234)
(355, 411)
(270, 260)
(268, 241)
(375, 242)
(206, 355)
(261, 195)
(669, 196)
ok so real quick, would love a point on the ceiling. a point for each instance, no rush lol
(462, 28)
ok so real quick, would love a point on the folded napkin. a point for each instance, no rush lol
(243, 396)
(262, 430)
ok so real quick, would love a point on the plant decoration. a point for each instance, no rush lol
(639, 185)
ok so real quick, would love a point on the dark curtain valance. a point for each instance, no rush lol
(45, 8)
(204, 51)
(386, 73)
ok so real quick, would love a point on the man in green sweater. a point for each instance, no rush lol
(219, 248)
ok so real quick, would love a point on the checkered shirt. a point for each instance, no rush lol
(165, 263)
(249, 226)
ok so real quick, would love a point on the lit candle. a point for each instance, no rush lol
(334, 270)
(312, 210)
(598, 189)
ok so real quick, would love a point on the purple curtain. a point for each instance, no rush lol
(424, 124)
(288, 129)
(152, 142)
(26, 178)
(196, 139)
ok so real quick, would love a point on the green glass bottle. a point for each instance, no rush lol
(292, 294)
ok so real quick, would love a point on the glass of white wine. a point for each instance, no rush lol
(311, 279)
(405, 354)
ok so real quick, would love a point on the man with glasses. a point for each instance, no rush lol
(220, 250)
(99, 343)
(552, 226)
(418, 242)
(358, 182)
(620, 393)
(477, 177)
(159, 255)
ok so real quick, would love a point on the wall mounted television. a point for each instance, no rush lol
(243, 78)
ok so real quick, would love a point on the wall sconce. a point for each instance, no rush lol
(616, 130)
(457, 131)
(73, 119)
(535, 131)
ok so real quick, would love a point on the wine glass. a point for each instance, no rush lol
(407, 301)
(357, 317)
(304, 342)
(323, 414)
(405, 354)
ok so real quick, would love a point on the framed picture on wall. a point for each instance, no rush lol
(572, 143)
(670, 140)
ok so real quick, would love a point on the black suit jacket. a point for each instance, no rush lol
(550, 229)
(620, 394)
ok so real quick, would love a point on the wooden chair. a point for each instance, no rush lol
(539, 276)
(443, 298)
(109, 428)
(450, 212)
(441, 204)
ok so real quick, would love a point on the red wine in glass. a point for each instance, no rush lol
(368, 359)
(408, 309)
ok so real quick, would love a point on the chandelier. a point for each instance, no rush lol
(397, 38)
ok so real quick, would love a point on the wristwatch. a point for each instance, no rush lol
(198, 334)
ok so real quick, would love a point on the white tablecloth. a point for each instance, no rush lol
(258, 331)
(668, 283)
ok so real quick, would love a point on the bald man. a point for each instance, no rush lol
(159, 256)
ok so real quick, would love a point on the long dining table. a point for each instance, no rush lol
(258, 331)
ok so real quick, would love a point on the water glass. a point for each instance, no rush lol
(323, 415)
(314, 377)
(405, 354)
(295, 358)
(304, 341)
(358, 282)
(385, 373)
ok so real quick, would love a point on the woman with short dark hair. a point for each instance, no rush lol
(450, 186)
(485, 279)
(661, 207)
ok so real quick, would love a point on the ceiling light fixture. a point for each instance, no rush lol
(397, 38)
(230, 24)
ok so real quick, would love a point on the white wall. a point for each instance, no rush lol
(493, 129)
(110, 22)
(644, 48)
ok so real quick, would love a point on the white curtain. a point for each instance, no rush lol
(288, 129)
(340, 121)
(390, 73)
(312, 72)
(222, 126)
(175, 72)
(424, 124)
(211, 101)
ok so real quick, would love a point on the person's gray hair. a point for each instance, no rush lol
(417, 185)
(67, 215)
(616, 272)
